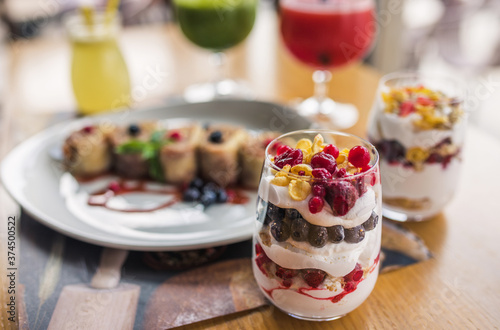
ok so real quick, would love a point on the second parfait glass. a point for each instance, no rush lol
(418, 125)
(317, 238)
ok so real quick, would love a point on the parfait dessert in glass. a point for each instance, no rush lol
(316, 245)
(418, 126)
(216, 25)
(327, 34)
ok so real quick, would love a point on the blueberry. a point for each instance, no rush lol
(318, 236)
(396, 151)
(196, 183)
(210, 187)
(208, 198)
(191, 195)
(336, 234)
(355, 234)
(221, 196)
(372, 222)
(267, 220)
(275, 212)
(215, 137)
(280, 230)
(292, 214)
(134, 130)
(300, 229)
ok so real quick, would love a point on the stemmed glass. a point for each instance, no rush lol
(216, 25)
(327, 34)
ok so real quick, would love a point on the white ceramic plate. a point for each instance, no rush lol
(37, 182)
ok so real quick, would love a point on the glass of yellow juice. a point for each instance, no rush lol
(98, 71)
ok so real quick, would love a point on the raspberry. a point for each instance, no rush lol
(406, 108)
(176, 136)
(88, 129)
(318, 190)
(355, 275)
(258, 249)
(282, 149)
(285, 273)
(290, 157)
(313, 277)
(324, 160)
(341, 173)
(349, 287)
(316, 204)
(321, 173)
(341, 196)
(424, 101)
(332, 150)
(114, 186)
(359, 156)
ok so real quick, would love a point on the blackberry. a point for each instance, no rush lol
(336, 234)
(372, 222)
(318, 236)
(280, 230)
(300, 229)
(355, 234)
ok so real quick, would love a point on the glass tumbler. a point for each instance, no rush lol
(418, 126)
(316, 244)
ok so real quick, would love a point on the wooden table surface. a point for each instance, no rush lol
(458, 288)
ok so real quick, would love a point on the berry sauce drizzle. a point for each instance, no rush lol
(117, 188)
(102, 197)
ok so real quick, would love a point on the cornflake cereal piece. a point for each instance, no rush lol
(304, 144)
(342, 159)
(318, 144)
(302, 167)
(299, 189)
(416, 155)
(281, 178)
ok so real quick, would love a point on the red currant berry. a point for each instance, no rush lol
(332, 150)
(316, 204)
(365, 168)
(359, 156)
(324, 160)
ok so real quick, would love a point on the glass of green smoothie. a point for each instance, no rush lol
(216, 25)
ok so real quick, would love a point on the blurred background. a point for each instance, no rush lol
(461, 37)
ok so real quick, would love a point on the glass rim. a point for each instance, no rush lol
(373, 168)
(408, 74)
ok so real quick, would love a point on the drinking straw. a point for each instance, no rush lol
(111, 9)
(88, 15)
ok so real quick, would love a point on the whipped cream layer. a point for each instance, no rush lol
(315, 303)
(358, 214)
(335, 259)
(393, 127)
(434, 182)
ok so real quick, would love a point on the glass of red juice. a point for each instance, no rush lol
(326, 34)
